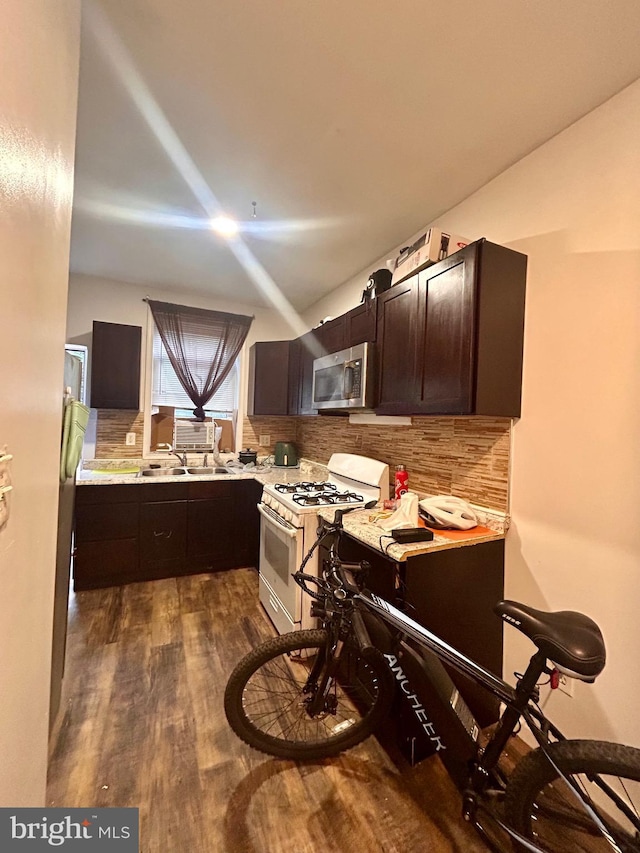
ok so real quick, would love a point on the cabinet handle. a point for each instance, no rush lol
(163, 533)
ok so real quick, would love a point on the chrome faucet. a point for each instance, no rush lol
(205, 460)
(183, 458)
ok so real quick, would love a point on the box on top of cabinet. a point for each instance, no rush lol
(431, 246)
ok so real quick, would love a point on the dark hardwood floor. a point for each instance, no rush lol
(141, 724)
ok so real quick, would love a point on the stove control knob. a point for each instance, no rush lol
(267, 499)
(288, 515)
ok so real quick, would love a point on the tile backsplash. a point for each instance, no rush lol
(111, 432)
(465, 456)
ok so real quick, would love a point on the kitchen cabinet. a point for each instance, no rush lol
(332, 335)
(451, 337)
(354, 327)
(269, 378)
(308, 349)
(163, 539)
(106, 536)
(115, 366)
(213, 529)
(452, 593)
(128, 533)
(360, 324)
(281, 372)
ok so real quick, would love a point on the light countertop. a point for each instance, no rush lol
(111, 475)
(359, 524)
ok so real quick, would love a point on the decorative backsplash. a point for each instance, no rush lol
(111, 432)
(278, 429)
(464, 456)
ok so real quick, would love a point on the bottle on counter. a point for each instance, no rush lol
(402, 481)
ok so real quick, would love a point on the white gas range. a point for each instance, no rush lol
(289, 524)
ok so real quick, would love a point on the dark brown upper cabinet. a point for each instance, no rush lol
(308, 349)
(269, 378)
(115, 366)
(360, 324)
(332, 335)
(451, 337)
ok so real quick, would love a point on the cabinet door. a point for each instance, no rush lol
(269, 378)
(361, 324)
(212, 536)
(332, 335)
(446, 346)
(101, 564)
(163, 539)
(310, 349)
(248, 524)
(115, 366)
(453, 593)
(397, 336)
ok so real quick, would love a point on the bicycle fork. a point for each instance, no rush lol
(322, 678)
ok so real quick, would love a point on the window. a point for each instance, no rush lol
(166, 389)
(169, 400)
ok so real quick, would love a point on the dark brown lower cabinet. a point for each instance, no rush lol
(163, 539)
(212, 539)
(128, 533)
(452, 593)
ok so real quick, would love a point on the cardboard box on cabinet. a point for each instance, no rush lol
(428, 248)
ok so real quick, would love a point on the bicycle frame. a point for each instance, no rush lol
(434, 699)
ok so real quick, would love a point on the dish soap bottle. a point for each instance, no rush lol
(402, 481)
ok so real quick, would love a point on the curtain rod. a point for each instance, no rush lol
(148, 299)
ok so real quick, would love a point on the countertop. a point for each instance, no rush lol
(359, 525)
(266, 475)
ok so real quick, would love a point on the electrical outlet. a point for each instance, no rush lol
(566, 685)
(265, 440)
(130, 439)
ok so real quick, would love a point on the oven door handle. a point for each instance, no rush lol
(292, 532)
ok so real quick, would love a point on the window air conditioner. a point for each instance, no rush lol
(189, 434)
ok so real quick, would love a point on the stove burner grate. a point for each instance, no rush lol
(307, 486)
(327, 498)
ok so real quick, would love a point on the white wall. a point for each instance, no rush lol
(38, 92)
(573, 206)
(92, 298)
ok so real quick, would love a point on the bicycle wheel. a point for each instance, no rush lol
(539, 804)
(268, 694)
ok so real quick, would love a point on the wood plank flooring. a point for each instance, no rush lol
(141, 724)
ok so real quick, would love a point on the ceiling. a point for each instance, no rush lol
(350, 124)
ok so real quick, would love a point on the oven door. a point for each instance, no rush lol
(280, 556)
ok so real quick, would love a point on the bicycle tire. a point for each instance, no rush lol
(539, 805)
(265, 704)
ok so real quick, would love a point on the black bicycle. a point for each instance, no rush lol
(312, 694)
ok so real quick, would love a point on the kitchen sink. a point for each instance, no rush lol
(168, 472)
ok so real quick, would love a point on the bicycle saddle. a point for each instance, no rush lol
(570, 640)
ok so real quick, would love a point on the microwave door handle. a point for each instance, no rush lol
(348, 381)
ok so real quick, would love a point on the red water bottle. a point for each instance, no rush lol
(402, 481)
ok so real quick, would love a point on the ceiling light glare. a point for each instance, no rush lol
(224, 226)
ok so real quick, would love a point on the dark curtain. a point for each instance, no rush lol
(179, 326)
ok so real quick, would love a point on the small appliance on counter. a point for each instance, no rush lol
(285, 455)
(248, 457)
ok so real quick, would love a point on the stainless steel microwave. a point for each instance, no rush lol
(345, 379)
